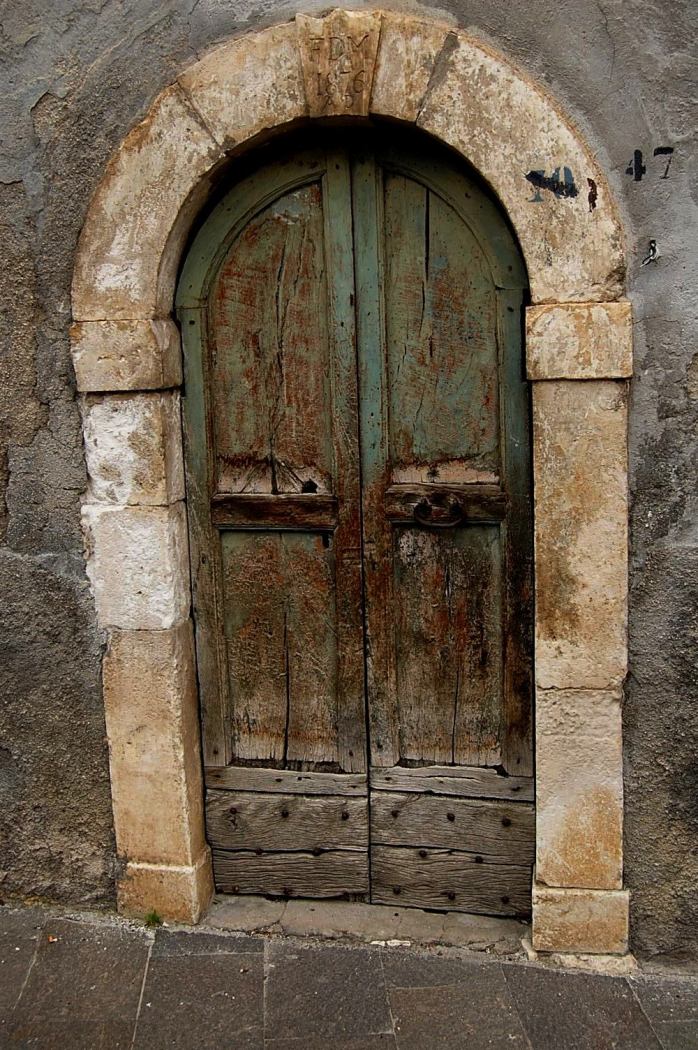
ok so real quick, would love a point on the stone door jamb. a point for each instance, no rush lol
(127, 358)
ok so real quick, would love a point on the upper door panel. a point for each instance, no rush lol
(269, 345)
(440, 341)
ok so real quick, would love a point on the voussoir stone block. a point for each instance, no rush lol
(513, 134)
(582, 921)
(138, 565)
(581, 533)
(151, 708)
(338, 53)
(248, 85)
(408, 51)
(133, 448)
(131, 242)
(126, 355)
(579, 788)
(579, 341)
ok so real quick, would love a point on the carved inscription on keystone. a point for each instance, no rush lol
(339, 57)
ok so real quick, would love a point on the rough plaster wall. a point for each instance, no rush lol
(77, 75)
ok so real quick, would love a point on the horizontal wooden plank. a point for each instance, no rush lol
(448, 881)
(335, 873)
(292, 511)
(462, 781)
(284, 781)
(500, 832)
(241, 820)
(474, 502)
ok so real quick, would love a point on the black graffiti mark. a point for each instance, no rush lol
(652, 254)
(593, 194)
(637, 169)
(665, 151)
(564, 187)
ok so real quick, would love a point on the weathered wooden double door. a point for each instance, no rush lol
(359, 497)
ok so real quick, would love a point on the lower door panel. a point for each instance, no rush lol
(449, 851)
(279, 842)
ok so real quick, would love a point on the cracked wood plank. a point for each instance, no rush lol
(252, 778)
(437, 432)
(500, 832)
(448, 880)
(247, 820)
(440, 339)
(297, 513)
(332, 873)
(461, 781)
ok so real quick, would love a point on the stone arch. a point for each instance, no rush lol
(126, 353)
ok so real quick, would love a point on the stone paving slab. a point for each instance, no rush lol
(382, 1041)
(476, 1013)
(329, 992)
(671, 1005)
(94, 982)
(579, 1011)
(202, 1001)
(19, 937)
(82, 988)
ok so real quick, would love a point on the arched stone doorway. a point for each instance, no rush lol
(127, 361)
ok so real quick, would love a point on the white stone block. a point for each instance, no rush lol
(126, 355)
(138, 565)
(581, 533)
(579, 789)
(588, 921)
(133, 447)
(152, 720)
(338, 53)
(409, 48)
(178, 893)
(507, 128)
(579, 341)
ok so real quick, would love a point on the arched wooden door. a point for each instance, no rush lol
(359, 491)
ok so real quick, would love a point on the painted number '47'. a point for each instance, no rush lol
(637, 169)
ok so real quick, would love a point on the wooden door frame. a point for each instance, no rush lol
(127, 358)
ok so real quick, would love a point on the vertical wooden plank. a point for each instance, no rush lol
(203, 544)
(255, 620)
(518, 539)
(477, 728)
(280, 625)
(311, 652)
(377, 537)
(270, 356)
(345, 429)
(448, 645)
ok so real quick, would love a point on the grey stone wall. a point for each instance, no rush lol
(77, 74)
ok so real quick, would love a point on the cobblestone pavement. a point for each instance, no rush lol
(102, 984)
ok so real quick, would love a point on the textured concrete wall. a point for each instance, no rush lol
(76, 76)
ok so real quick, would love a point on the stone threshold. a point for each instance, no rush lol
(375, 924)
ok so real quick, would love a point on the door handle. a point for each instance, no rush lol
(438, 515)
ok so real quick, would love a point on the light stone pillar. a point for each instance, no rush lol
(579, 358)
(135, 527)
